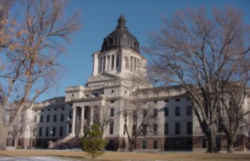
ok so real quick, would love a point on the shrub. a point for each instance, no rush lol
(92, 142)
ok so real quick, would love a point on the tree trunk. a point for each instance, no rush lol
(229, 146)
(212, 140)
(3, 137)
(230, 142)
(16, 141)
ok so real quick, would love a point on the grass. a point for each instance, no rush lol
(132, 156)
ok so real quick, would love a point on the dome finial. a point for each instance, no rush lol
(121, 22)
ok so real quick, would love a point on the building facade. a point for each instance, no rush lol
(118, 96)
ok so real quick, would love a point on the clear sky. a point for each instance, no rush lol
(99, 18)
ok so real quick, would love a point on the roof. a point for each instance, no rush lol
(120, 38)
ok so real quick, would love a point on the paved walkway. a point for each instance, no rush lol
(34, 159)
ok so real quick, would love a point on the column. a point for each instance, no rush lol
(74, 122)
(91, 109)
(82, 122)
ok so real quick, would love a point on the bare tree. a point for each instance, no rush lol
(138, 112)
(31, 46)
(139, 121)
(233, 112)
(199, 51)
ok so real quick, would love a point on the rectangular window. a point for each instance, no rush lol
(134, 130)
(145, 113)
(48, 118)
(113, 62)
(70, 128)
(177, 111)
(62, 117)
(155, 144)
(112, 112)
(166, 111)
(177, 128)
(155, 129)
(144, 129)
(134, 116)
(40, 131)
(155, 113)
(41, 118)
(166, 128)
(55, 118)
(70, 114)
(144, 144)
(189, 128)
(111, 127)
(124, 129)
(61, 131)
(54, 131)
(47, 131)
(189, 110)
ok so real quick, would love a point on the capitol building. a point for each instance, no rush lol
(119, 97)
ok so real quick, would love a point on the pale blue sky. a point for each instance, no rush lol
(99, 18)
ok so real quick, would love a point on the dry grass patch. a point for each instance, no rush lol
(127, 156)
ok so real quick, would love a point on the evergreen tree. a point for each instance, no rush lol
(93, 142)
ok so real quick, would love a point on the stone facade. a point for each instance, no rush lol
(60, 122)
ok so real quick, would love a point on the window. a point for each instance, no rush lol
(113, 62)
(155, 144)
(155, 129)
(61, 131)
(166, 111)
(177, 111)
(177, 99)
(54, 109)
(70, 128)
(144, 113)
(40, 131)
(41, 118)
(144, 144)
(189, 128)
(134, 116)
(177, 128)
(155, 113)
(189, 110)
(48, 118)
(54, 118)
(63, 108)
(112, 112)
(111, 127)
(70, 114)
(134, 130)
(155, 101)
(35, 119)
(166, 128)
(62, 117)
(54, 131)
(144, 129)
(166, 100)
(124, 129)
(47, 131)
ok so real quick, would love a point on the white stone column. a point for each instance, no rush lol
(82, 122)
(73, 122)
(91, 115)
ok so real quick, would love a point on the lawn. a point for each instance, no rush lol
(127, 156)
